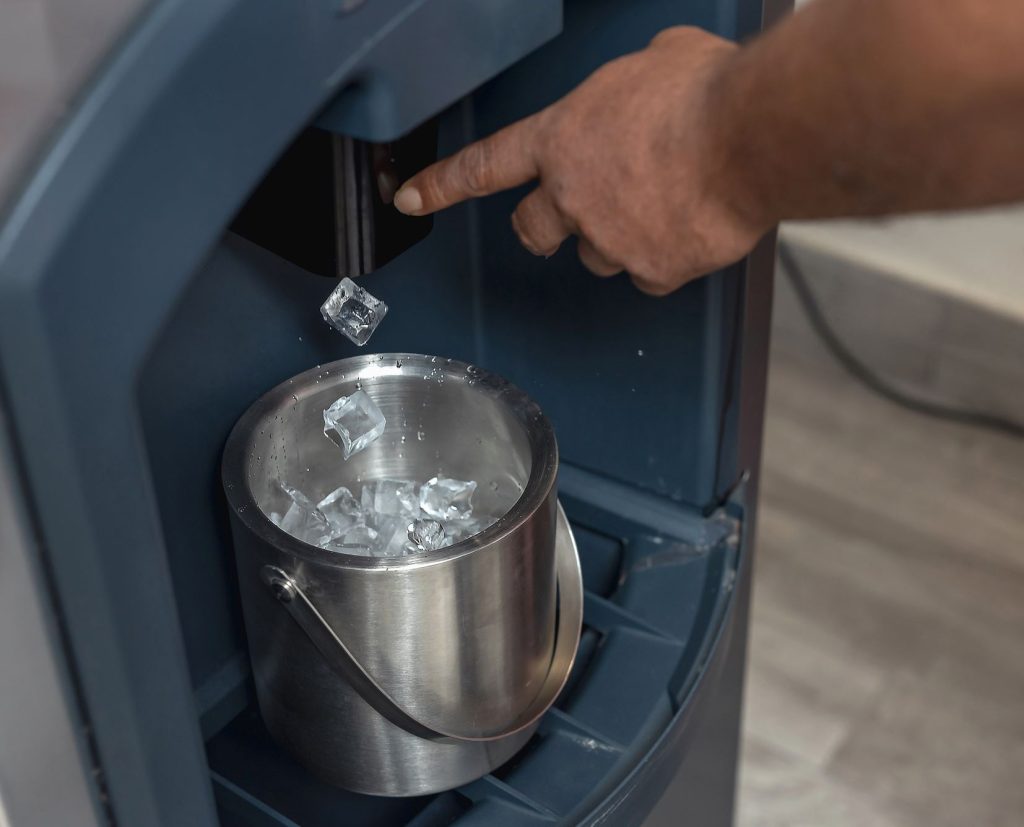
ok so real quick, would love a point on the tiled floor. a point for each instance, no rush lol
(886, 678)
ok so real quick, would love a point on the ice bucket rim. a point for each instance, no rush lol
(539, 432)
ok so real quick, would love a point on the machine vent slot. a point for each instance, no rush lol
(601, 560)
(446, 809)
(509, 767)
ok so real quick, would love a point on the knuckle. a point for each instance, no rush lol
(662, 37)
(431, 190)
(475, 166)
(674, 34)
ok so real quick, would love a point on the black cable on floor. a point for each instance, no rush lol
(865, 375)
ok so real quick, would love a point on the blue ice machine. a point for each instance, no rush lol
(186, 196)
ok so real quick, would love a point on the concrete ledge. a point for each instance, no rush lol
(938, 345)
(976, 256)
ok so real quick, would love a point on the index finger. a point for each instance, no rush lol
(500, 161)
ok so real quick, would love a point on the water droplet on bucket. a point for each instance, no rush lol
(420, 435)
(640, 353)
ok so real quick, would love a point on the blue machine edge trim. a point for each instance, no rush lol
(71, 265)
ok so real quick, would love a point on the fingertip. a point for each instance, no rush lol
(408, 200)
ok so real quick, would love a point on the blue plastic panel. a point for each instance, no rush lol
(662, 583)
(436, 52)
(638, 388)
(582, 761)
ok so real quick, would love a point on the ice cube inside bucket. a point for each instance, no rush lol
(431, 422)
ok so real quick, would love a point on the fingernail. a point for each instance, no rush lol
(408, 200)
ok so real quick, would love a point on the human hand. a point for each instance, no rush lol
(631, 161)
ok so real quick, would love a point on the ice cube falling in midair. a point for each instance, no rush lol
(352, 311)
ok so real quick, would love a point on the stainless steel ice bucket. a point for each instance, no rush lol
(404, 676)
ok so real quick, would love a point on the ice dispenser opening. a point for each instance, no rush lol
(325, 205)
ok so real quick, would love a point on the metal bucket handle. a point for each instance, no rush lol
(570, 618)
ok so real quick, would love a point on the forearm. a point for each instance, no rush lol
(866, 108)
